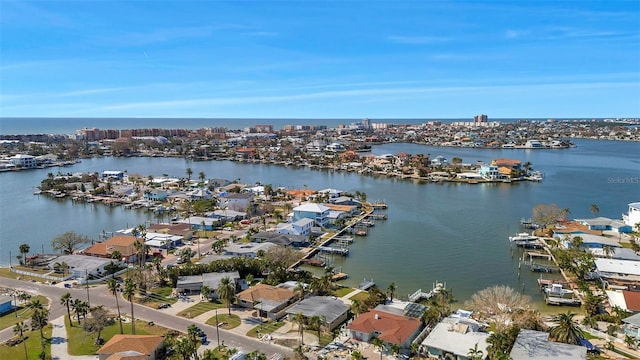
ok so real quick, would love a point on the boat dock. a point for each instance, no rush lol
(537, 254)
(333, 250)
(379, 205)
(366, 284)
(554, 300)
(377, 216)
(543, 268)
(420, 295)
(313, 262)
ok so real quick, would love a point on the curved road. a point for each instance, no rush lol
(100, 296)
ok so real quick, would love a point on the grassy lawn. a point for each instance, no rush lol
(265, 328)
(361, 296)
(228, 321)
(6, 272)
(33, 346)
(343, 291)
(83, 343)
(157, 296)
(200, 308)
(24, 313)
(207, 234)
(33, 270)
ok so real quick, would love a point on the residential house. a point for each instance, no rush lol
(301, 227)
(113, 174)
(200, 194)
(490, 172)
(604, 224)
(270, 301)
(632, 326)
(388, 327)
(194, 283)
(439, 161)
(454, 336)
(331, 193)
(162, 241)
(124, 244)
(80, 265)
(200, 222)
(155, 195)
(348, 210)
(618, 271)
(179, 229)
(280, 239)
(346, 200)
(531, 344)
(624, 299)
(5, 304)
(589, 241)
(148, 346)
(250, 250)
(227, 215)
(632, 217)
(236, 202)
(316, 212)
(332, 311)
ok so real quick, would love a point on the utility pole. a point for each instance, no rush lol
(86, 279)
(217, 330)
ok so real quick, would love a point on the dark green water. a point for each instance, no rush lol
(454, 233)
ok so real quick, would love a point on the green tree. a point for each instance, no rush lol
(226, 291)
(594, 209)
(128, 292)
(68, 242)
(66, 300)
(40, 319)
(20, 329)
(315, 322)
(98, 321)
(24, 250)
(113, 286)
(206, 292)
(201, 176)
(299, 319)
(379, 344)
(391, 289)
(189, 173)
(474, 353)
(565, 329)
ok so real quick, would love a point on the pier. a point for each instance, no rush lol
(333, 250)
(420, 295)
(366, 284)
(537, 254)
(554, 300)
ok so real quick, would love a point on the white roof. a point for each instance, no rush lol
(618, 266)
(535, 345)
(635, 205)
(82, 263)
(247, 248)
(597, 239)
(311, 207)
(616, 298)
(455, 335)
(302, 222)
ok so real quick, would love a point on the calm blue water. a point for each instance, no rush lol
(448, 232)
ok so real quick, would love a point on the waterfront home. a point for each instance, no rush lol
(159, 242)
(624, 299)
(193, 284)
(149, 347)
(533, 144)
(346, 200)
(282, 239)
(249, 250)
(632, 326)
(236, 202)
(332, 311)
(23, 161)
(316, 212)
(227, 215)
(200, 194)
(348, 210)
(124, 244)
(490, 172)
(439, 161)
(618, 271)
(604, 224)
(113, 174)
(454, 336)
(331, 193)
(300, 227)
(270, 301)
(531, 344)
(632, 217)
(80, 265)
(183, 230)
(155, 195)
(589, 241)
(388, 327)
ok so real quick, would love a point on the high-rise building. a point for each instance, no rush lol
(482, 118)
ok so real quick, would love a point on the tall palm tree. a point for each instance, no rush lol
(377, 342)
(300, 320)
(19, 329)
(566, 330)
(226, 291)
(128, 292)
(608, 251)
(39, 319)
(391, 289)
(66, 300)
(594, 209)
(201, 176)
(189, 173)
(205, 291)
(24, 250)
(113, 287)
(315, 322)
(475, 353)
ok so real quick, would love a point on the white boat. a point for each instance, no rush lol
(557, 290)
(523, 237)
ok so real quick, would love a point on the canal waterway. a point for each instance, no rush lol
(453, 233)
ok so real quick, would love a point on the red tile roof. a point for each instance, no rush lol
(632, 298)
(144, 344)
(394, 329)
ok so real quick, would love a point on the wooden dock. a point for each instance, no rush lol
(420, 295)
(333, 250)
(559, 301)
(537, 254)
(366, 284)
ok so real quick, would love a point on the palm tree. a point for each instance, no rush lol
(24, 250)
(66, 301)
(39, 320)
(206, 292)
(226, 291)
(475, 353)
(19, 329)
(391, 289)
(129, 291)
(300, 320)
(377, 342)
(113, 287)
(315, 322)
(594, 209)
(608, 251)
(202, 176)
(566, 330)
(189, 173)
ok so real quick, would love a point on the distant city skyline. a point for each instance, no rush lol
(305, 59)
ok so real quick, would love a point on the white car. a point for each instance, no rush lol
(228, 229)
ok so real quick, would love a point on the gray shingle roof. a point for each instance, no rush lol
(326, 306)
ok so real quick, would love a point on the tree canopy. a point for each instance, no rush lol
(68, 242)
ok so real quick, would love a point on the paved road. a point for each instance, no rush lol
(101, 296)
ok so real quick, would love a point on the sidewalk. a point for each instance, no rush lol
(59, 343)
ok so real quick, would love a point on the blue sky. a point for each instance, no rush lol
(320, 59)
